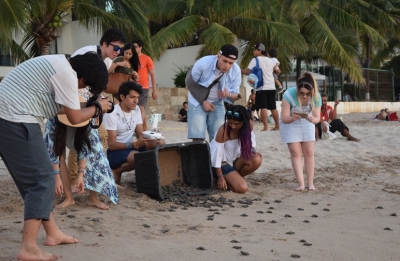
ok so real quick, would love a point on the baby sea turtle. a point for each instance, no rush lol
(266, 202)
(63, 213)
(295, 256)
(259, 212)
(218, 213)
(244, 253)
(300, 209)
(71, 216)
(260, 220)
(306, 221)
(273, 221)
(210, 218)
(303, 241)
(278, 201)
(221, 227)
(271, 208)
(237, 247)
(314, 216)
(200, 248)
(314, 203)
(326, 209)
(388, 228)
(307, 244)
(269, 212)
(146, 226)
(235, 225)
(287, 215)
(290, 233)
(244, 215)
(235, 241)
(393, 215)
(379, 207)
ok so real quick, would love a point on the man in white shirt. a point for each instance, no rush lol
(265, 98)
(121, 125)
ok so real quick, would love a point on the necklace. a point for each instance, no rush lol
(128, 125)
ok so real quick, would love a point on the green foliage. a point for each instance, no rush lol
(395, 64)
(180, 76)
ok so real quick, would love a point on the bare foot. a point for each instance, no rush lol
(66, 203)
(354, 139)
(96, 203)
(60, 238)
(299, 188)
(35, 253)
(311, 188)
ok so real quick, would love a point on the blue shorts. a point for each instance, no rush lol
(200, 120)
(118, 157)
(226, 169)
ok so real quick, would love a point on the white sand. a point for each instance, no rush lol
(352, 179)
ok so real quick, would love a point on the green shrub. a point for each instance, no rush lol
(180, 76)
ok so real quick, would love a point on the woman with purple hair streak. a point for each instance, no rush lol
(233, 154)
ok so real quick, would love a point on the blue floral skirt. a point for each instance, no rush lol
(98, 176)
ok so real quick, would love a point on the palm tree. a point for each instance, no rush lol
(39, 20)
(219, 22)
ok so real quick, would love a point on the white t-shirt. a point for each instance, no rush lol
(213, 95)
(124, 123)
(92, 48)
(37, 88)
(267, 66)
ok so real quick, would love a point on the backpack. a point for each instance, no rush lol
(255, 78)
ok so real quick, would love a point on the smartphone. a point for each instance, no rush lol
(302, 115)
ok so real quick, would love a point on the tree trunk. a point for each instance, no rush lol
(298, 68)
(367, 65)
(45, 48)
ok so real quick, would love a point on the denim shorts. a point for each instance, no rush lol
(200, 120)
(118, 157)
(226, 169)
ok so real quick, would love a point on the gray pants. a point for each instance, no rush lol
(26, 158)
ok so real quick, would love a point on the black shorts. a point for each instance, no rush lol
(143, 98)
(254, 107)
(266, 99)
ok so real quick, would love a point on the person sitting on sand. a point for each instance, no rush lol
(94, 173)
(121, 124)
(297, 130)
(386, 115)
(330, 115)
(233, 154)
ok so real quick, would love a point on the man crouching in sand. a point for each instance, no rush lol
(51, 86)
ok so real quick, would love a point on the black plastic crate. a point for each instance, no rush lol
(185, 165)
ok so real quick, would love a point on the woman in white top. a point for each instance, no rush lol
(233, 154)
(301, 108)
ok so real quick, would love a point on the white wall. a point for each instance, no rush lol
(171, 60)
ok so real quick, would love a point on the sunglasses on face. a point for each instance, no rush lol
(233, 115)
(116, 48)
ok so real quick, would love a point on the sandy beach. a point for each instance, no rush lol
(353, 215)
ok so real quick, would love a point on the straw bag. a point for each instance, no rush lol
(114, 81)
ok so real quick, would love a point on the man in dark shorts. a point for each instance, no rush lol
(265, 97)
(146, 67)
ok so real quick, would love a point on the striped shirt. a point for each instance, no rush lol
(37, 88)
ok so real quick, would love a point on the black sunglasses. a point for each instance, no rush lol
(233, 115)
(116, 48)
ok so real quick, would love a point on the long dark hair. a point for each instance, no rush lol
(245, 130)
(60, 138)
(134, 60)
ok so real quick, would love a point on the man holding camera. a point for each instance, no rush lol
(121, 125)
(51, 88)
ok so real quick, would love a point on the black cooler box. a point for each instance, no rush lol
(186, 167)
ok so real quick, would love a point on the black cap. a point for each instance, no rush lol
(229, 51)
